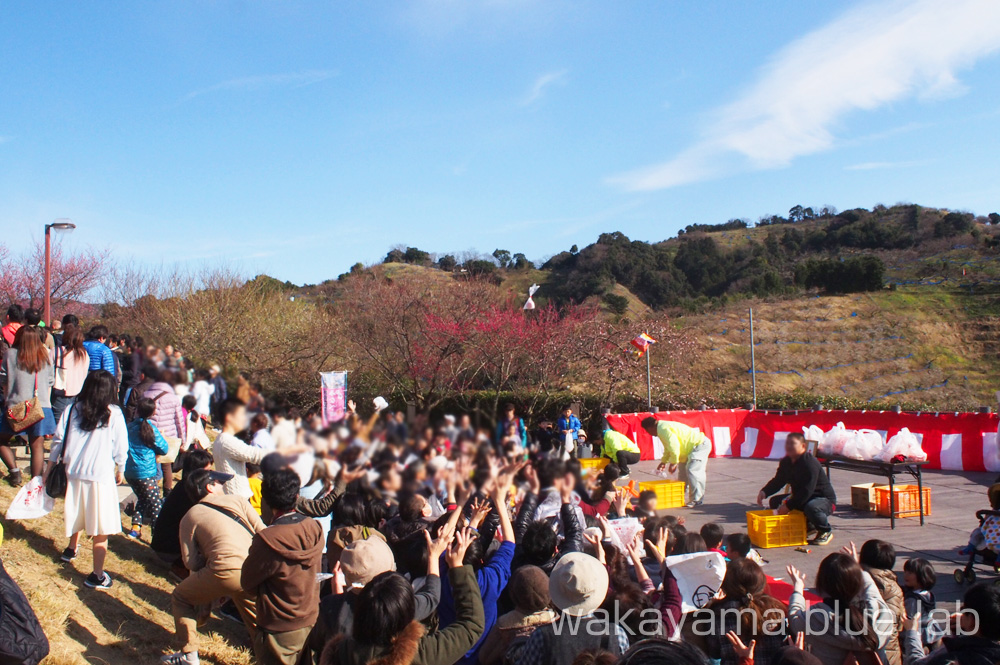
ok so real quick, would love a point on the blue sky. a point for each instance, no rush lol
(298, 138)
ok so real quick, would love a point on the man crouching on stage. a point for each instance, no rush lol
(811, 489)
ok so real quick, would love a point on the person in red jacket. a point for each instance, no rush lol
(281, 570)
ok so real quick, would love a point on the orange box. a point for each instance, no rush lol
(907, 501)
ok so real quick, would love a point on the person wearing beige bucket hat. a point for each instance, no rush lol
(578, 586)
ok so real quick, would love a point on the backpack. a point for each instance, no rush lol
(22, 641)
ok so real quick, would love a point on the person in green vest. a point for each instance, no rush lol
(685, 447)
(620, 449)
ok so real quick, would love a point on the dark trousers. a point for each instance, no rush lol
(624, 459)
(817, 511)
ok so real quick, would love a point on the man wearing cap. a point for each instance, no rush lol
(684, 447)
(578, 585)
(280, 571)
(215, 538)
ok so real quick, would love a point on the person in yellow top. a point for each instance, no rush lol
(685, 447)
(620, 449)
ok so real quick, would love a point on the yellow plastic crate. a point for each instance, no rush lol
(769, 530)
(669, 493)
(593, 463)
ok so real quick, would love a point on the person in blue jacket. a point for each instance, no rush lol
(510, 418)
(101, 357)
(568, 423)
(144, 443)
(492, 575)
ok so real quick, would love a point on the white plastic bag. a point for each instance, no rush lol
(866, 444)
(812, 433)
(903, 443)
(699, 577)
(623, 532)
(834, 441)
(31, 502)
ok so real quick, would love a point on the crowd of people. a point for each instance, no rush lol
(374, 540)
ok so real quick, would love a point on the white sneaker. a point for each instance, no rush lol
(181, 658)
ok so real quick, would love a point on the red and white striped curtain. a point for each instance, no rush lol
(957, 441)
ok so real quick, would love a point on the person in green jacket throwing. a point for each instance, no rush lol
(620, 449)
(686, 447)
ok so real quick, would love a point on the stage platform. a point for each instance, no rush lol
(733, 484)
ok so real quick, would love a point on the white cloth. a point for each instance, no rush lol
(550, 509)
(231, 456)
(263, 439)
(92, 455)
(195, 433)
(284, 434)
(92, 507)
(203, 391)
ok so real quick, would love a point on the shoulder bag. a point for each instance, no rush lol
(55, 484)
(22, 416)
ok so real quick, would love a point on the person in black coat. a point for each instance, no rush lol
(811, 493)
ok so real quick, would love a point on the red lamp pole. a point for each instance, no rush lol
(48, 275)
(58, 225)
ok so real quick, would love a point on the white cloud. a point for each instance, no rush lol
(542, 83)
(878, 166)
(874, 54)
(265, 81)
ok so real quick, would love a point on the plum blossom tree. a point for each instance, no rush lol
(76, 274)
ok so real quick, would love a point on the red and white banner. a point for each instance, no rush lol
(957, 441)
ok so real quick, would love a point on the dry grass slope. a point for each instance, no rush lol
(929, 346)
(131, 623)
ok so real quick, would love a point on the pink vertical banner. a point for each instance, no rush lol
(333, 396)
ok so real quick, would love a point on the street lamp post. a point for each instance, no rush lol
(58, 225)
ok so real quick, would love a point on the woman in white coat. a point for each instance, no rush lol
(93, 442)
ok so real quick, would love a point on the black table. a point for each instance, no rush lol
(886, 469)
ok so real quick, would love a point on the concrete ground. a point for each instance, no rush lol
(733, 485)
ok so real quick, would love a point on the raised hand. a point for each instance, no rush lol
(659, 548)
(851, 550)
(621, 501)
(480, 509)
(348, 476)
(797, 576)
(337, 581)
(743, 651)
(534, 486)
(596, 542)
(456, 553)
(436, 547)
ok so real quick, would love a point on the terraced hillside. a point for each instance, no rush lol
(917, 345)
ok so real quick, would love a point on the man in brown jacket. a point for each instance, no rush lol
(215, 537)
(281, 570)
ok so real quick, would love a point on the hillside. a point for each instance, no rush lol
(896, 305)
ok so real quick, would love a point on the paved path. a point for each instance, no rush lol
(955, 497)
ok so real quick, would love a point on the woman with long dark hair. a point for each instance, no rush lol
(29, 372)
(748, 610)
(144, 443)
(384, 628)
(852, 619)
(72, 364)
(92, 440)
